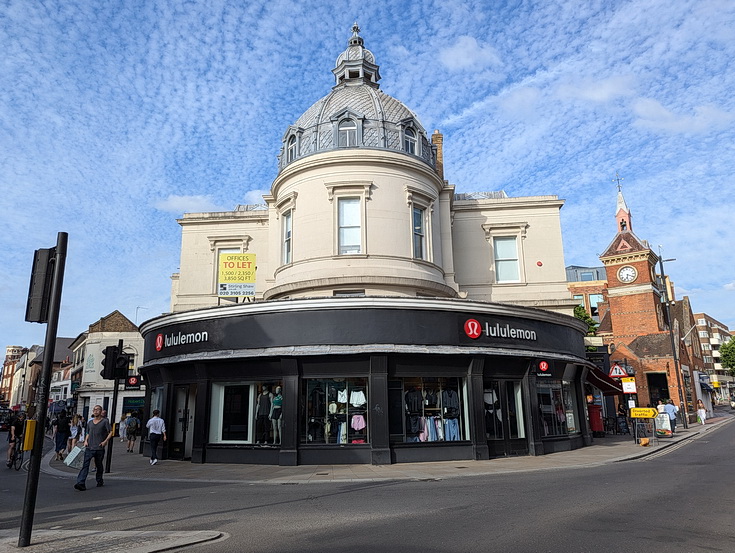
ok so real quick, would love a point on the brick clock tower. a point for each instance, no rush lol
(633, 296)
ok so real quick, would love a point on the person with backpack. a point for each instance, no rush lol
(132, 429)
(62, 432)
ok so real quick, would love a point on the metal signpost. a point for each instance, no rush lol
(44, 302)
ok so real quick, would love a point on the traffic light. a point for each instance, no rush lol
(109, 362)
(122, 363)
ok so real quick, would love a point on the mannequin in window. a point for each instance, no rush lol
(262, 414)
(276, 414)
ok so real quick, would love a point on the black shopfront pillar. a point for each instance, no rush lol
(288, 455)
(378, 409)
(201, 406)
(533, 426)
(475, 389)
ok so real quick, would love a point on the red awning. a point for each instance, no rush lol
(600, 380)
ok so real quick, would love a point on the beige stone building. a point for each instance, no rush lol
(391, 319)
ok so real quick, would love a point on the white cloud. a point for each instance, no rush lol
(598, 90)
(520, 103)
(730, 286)
(467, 53)
(188, 204)
(255, 197)
(651, 114)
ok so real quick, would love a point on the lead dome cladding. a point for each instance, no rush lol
(356, 114)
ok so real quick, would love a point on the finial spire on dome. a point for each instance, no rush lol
(355, 39)
(356, 65)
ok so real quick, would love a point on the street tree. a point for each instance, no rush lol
(727, 356)
(581, 313)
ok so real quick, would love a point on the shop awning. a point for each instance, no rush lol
(706, 387)
(600, 380)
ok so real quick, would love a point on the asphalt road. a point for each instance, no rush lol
(679, 500)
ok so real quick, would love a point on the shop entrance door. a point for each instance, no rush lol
(504, 418)
(182, 437)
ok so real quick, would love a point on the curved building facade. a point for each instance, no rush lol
(390, 319)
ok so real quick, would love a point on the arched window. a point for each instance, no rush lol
(409, 141)
(291, 149)
(347, 133)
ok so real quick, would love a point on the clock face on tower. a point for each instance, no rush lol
(627, 274)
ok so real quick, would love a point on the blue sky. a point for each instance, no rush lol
(117, 117)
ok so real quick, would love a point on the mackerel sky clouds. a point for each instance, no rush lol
(117, 117)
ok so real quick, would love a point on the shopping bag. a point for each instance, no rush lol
(75, 459)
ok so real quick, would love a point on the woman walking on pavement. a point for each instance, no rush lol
(156, 430)
(701, 412)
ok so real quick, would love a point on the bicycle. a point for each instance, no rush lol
(18, 452)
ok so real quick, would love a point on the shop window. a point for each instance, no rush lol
(499, 408)
(557, 408)
(336, 411)
(427, 410)
(246, 412)
(580, 299)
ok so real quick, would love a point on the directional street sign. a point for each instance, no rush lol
(616, 371)
(643, 413)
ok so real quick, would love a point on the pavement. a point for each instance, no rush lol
(613, 448)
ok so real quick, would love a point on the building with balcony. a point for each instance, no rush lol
(712, 335)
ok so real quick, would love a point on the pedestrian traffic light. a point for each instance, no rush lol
(109, 362)
(122, 364)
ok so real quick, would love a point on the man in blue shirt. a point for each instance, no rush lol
(671, 410)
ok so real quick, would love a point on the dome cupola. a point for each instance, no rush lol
(356, 114)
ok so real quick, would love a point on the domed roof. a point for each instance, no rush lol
(356, 114)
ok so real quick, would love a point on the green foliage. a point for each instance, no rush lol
(581, 314)
(727, 356)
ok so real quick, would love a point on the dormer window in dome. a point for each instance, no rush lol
(347, 133)
(409, 141)
(291, 149)
(411, 132)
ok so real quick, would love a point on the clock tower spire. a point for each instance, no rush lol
(634, 298)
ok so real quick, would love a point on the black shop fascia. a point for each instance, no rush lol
(384, 348)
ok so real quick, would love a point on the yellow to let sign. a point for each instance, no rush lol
(643, 413)
(236, 274)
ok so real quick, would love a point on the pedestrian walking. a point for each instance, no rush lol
(132, 428)
(701, 412)
(77, 431)
(62, 432)
(99, 432)
(671, 410)
(156, 430)
(660, 406)
(122, 427)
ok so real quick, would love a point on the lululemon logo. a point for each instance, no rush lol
(159, 342)
(472, 328)
(544, 366)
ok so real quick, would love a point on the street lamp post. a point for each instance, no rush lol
(677, 369)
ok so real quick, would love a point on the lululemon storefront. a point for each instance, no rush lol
(366, 380)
